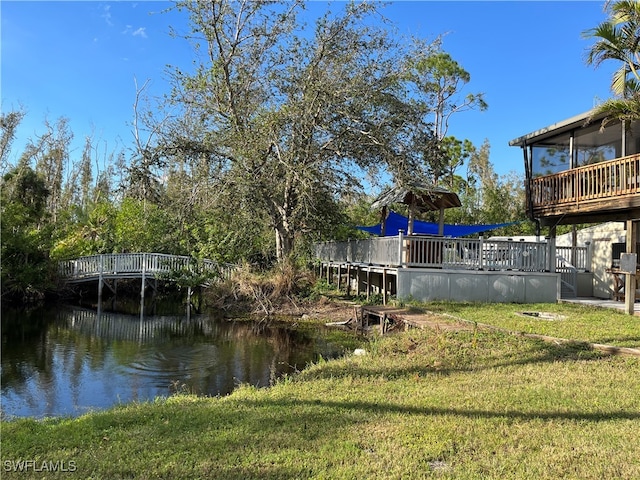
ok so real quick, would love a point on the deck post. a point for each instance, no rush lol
(348, 287)
(368, 282)
(384, 287)
(100, 281)
(630, 277)
(441, 222)
(144, 279)
(552, 248)
(401, 259)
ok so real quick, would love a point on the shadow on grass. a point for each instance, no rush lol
(257, 437)
(447, 353)
(385, 408)
(625, 341)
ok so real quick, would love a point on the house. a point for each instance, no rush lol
(577, 172)
(581, 172)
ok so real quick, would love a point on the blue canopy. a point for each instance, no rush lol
(396, 222)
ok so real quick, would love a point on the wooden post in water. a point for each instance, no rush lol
(144, 281)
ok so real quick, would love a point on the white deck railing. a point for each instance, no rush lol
(135, 265)
(579, 257)
(448, 253)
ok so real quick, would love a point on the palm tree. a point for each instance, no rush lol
(618, 38)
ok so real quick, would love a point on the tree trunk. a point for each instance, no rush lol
(284, 242)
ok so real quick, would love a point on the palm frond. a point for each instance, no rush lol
(618, 109)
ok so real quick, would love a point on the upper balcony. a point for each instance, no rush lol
(579, 172)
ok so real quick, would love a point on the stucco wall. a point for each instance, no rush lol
(478, 286)
(601, 237)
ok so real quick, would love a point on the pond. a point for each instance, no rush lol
(65, 361)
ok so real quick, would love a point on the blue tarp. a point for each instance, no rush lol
(396, 222)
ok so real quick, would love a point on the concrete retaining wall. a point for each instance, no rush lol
(478, 286)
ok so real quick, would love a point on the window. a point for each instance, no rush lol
(551, 156)
(591, 145)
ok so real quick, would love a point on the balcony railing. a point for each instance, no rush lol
(448, 253)
(605, 180)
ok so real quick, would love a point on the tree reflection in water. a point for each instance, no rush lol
(65, 361)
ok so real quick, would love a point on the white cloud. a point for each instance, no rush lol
(141, 32)
(106, 14)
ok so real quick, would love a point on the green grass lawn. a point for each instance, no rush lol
(477, 404)
(573, 321)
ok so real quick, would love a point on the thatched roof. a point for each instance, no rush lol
(424, 197)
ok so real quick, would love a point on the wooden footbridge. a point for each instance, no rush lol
(146, 266)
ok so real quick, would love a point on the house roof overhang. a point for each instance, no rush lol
(567, 125)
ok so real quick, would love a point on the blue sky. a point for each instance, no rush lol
(79, 60)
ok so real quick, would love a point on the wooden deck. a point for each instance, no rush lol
(607, 190)
(424, 251)
(375, 265)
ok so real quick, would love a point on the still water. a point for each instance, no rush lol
(70, 360)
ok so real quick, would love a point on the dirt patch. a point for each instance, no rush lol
(329, 310)
(324, 309)
(416, 318)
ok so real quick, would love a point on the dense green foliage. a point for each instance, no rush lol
(275, 139)
(25, 234)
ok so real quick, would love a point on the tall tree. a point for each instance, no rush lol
(618, 39)
(50, 154)
(437, 82)
(86, 176)
(141, 181)
(286, 119)
(440, 79)
(9, 123)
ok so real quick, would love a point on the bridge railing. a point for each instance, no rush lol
(137, 264)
